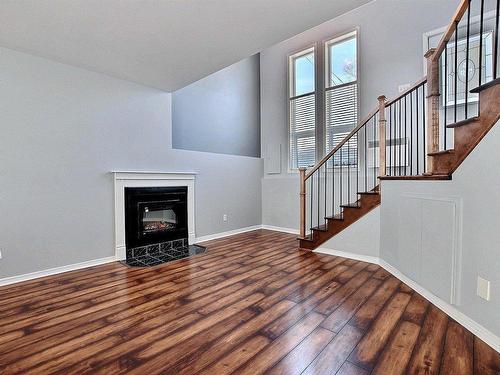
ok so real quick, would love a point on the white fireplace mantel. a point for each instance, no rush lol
(123, 179)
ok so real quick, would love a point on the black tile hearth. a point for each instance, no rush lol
(161, 255)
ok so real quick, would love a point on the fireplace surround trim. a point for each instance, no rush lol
(124, 179)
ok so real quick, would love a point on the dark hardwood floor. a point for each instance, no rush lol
(252, 304)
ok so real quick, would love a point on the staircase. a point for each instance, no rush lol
(415, 136)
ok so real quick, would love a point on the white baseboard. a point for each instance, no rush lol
(477, 329)
(56, 270)
(280, 229)
(344, 254)
(226, 234)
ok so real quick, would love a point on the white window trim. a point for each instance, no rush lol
(312, 47)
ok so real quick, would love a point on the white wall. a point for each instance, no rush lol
(221, 112)
(62, 130)
(417, 222)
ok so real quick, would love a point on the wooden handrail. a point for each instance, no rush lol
(341, 143)
(359, 126)
(420, 82)
(462, 8)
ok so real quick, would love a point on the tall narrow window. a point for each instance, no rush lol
(341, 92)
(302, 109)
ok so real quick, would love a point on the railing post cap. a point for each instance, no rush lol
(302, 169)
(382, 98)
(429, 53)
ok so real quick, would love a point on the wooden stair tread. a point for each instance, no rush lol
(443, 152)
(467, 121)
(368, 192)
(419, 177)
(321, 228)
(351, 205)
(336, 217)
(485, 86)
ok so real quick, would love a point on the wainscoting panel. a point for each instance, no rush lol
(430, 237)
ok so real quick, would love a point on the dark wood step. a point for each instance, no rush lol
(336, 217)
(351, 205)
(443, 152)
(368, 193)
(458, 124)
(485, 86)
(321, 228)
(419, 177)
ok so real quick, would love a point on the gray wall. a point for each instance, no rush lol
(220, 113)
(391, 54)
(62, 130)
(414, 212)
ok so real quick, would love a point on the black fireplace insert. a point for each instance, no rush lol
(154, 215)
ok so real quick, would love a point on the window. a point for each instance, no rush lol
(302, 108)
(312, 134)
(341, 91)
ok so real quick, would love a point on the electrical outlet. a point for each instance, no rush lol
(404, 87)
(224, 218)
(483, 288)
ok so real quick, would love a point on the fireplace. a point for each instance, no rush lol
(155, 215)
(156, 225)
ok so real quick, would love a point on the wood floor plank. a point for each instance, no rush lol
(335, 353)
(349, 369)
(253, 303)
(234, 359)
(282, 345)
(426, 358)
(339, 318)
(396, 355)
(458, 357)
(486, 360)
(372, 344)
(299, 358)
(365, 315)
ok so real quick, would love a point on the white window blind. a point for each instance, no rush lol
(341, 94)
(302, 109)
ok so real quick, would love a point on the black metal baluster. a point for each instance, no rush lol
(333, 185)
(411, 133)
(423, 128)
(326, 175)
(481, 24)
(348, 171)
(366, 159)
(456, 72)
(418, 130)
(311, 200)
(495, 55)
(390, 136)
(445, 78)
(318, 174)
(341, 177)
(466, 67)
(357, 164)
(374, 156)
(399, 137)
(404, 137)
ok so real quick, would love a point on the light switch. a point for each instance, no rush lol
(483, 288)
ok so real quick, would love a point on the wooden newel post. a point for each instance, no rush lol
(432, 107)
(302, 172)
(381, 136)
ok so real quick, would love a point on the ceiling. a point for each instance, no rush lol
(165, 44)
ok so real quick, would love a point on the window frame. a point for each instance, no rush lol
(336, 38)
(321, 71)
(290, 76)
